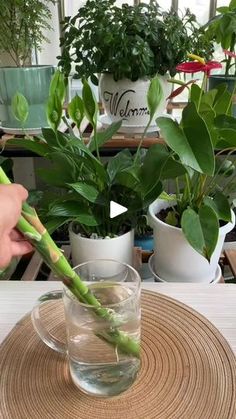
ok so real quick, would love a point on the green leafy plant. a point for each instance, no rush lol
(85, 184)
(31, 227)
(142, 228)
(129, 41)
(222, 30)
(202, 144)
(22, 27)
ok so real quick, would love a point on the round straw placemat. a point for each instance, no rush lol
(188, 371)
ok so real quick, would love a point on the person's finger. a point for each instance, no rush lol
(20, 248)
(15, 235)
(20, 191)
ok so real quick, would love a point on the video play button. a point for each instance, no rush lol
(116, 209)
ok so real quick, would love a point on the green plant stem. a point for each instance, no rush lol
(95, 140)
(177, 189)
(202, 182)
(228, 62)
(31, 227)
(141, 140)
(202, 91)
(188, 189)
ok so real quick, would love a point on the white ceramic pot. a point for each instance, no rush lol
(118, 248)
(127, 100)
(175, 260)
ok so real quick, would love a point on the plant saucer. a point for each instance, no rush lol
(158, 279)
(127, 129)
(20, 131)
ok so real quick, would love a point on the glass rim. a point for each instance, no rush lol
(133, 294)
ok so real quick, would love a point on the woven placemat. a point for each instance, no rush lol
(188, 371)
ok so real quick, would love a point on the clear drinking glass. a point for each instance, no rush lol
(96, 366)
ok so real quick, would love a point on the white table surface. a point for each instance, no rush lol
(216, 302)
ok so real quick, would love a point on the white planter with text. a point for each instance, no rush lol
(127, 100)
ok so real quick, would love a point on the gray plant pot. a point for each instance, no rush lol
(33, 82)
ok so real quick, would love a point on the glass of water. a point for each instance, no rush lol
(97, 366)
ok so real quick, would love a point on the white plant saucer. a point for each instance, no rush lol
(20, 131)
(127, 129)
(158, 279)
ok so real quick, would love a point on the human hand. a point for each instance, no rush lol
(12, 243)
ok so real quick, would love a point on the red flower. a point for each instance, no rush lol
(195, 66)
(229, 53)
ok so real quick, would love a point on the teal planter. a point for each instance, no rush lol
(217, 79)
(145, 242)
(33, 82)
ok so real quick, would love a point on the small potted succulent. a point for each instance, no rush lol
(21, 32)
(190, 225)
(127, 46)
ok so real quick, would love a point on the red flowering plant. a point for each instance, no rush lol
(203, 187)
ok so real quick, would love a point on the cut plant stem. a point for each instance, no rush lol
(31, 227)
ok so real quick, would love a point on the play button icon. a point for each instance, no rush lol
(116, 209)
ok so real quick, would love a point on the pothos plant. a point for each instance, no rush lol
(202, 144)
(131, 41)
(85, 184)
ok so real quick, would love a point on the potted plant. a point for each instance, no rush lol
(127, 46)
(222, 30)
(21, 32)
(143, 233)
(85, 185)
(190, 225)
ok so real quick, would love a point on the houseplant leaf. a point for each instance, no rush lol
(20, 107)
(76, 110)
(74, 210)
(185, 142)
(154, 96)
(57, 85)
(118, 163)
(54, 223)
(153, 162)
(201, 230)
(54, 111)
(89, 192)
(220, 204)
(198, 137)
(227, 138)
(104, 136)
(40, 149)
(90, 103)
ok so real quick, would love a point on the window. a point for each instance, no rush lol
(164, 4)
(199, 7)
